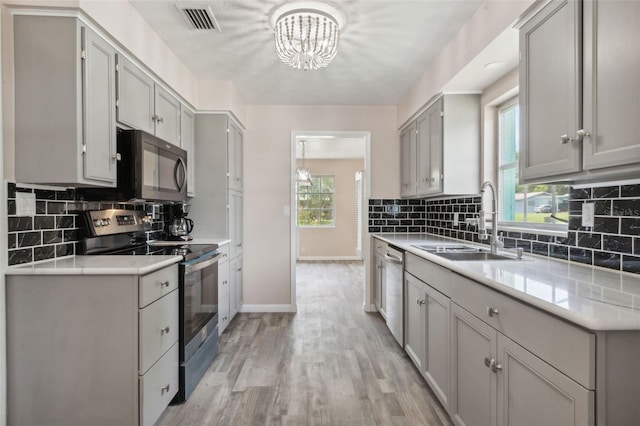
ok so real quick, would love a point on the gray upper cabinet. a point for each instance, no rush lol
(235, 141)
(550, 84)
(187, 122)
(65, 110)
(167, 116)
(440, 150)
(408, 150)
(578, 118)
(611, 93)
(144, 105)
(136, 96)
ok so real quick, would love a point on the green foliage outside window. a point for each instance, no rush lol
(316, 202)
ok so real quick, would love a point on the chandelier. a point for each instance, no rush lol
(306, 38)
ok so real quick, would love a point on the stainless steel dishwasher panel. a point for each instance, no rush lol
(394, 260)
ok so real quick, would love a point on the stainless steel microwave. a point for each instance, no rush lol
(148, 169)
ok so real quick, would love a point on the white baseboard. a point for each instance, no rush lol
(329, 258)
(370, 308)
(267, 308)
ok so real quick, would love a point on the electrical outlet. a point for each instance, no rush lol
(25, 204)
(588, 211)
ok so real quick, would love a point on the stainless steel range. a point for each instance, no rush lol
(122, 232)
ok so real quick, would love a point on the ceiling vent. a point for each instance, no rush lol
(198, 16)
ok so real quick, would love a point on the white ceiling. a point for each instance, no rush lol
(385, 46)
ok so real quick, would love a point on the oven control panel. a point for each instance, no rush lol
(116, 221)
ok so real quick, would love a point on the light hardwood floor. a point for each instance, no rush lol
(329, 364)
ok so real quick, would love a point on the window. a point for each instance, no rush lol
(537, 206)
(316, 202)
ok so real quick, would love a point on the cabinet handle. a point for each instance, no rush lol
(582, 134)
(224, 282)
(496, 367)
(490, 362)
(154, 117)
(565, 139)
(164, 284)
(164, 330)
(421, 302)
(492, 312)
(160, 119)
(239, 270)
(165, 389)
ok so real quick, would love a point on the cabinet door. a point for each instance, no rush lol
(99, 109)
(531, 392)
(187, 143)
(550, 91)
(408, 154)
(437, 362)
(423, 151)
(436, 139)
(414, 320)
(235, 141)
(236, 286)
(474, 384)
(235, 222)
(611, 93)
(167, 116)
(135, 94)
(377, 281)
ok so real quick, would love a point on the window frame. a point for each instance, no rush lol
(333, 203)
(557, 229)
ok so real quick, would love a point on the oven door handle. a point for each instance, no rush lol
(201, 265)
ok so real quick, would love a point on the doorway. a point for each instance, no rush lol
(329, 192)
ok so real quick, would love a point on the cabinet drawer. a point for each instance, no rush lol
(157, 284)
(436, 276)
(568, 348)
(158, 387)
(225, 253)
(380, 246)
(158, 329)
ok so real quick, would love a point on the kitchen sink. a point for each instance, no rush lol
(448, 249)
(470, 256)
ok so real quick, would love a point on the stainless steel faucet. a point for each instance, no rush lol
(496, 242)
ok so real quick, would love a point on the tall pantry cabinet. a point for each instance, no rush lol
(217, 210)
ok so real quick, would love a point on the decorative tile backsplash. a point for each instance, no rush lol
(55, 228)
(614, 241)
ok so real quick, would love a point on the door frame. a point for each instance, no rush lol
(293, 211)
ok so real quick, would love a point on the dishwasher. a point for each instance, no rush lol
(394, 260)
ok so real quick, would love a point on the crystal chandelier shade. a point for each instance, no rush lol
(306, 38)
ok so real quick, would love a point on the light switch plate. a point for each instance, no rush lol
(588, 211)
(25, 204)
(286, 211)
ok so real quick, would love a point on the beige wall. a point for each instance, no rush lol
(268, 183)
(491, 19)
(340, 240)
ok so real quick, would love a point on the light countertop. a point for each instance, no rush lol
(96, 265)
(592, 297)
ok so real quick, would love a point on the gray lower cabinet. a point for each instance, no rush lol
(578, 118)
(379, 276)
(102, 349)
(236, 297)
(145, 105)
(427, 334)
(65, 110)
(474, 390)
(498, 382)
(224, 290)
(414, 320)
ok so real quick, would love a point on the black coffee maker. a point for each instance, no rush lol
(180, 225)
